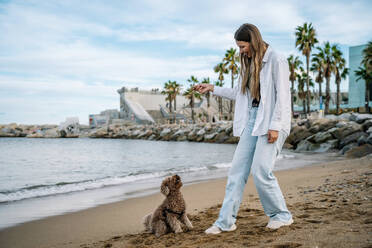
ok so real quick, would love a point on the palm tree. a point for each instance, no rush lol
(192, 94)
(293, 63)
(176, 89)
(328, 66)
(317, 67)
(367, 57)
(305, 41)
(367, 63)
(231, 57)
(362, 73)
(301, 90)
(221, 69)
(219, 99)
(340, 72)
(168, 91)
(302, 79)
(208, 96)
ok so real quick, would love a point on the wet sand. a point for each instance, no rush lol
(331, 205)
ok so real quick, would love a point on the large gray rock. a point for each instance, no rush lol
(366, 125)
(221, 137)
(345, 131)
(134, 134)
(179, 133)
(314, 129)
(210, 137)
(208, 127)
(322, 137)
(360, 118)
(348, 147)
(332, 131)
(201, 132)
(362, 140)
(306, 145)
(352, 138)
(7, 132)
(369, 139)
(369, 130)
(99, 133)
(342, 123)
(52, 133)
(124, 134)
(298, 134)
(165, 132)
(232, 140)
(328, 146)
(287, 146)
(221, 128)
(229, 130)
(36, 135)
(200, 135)
(321, 125)
(360, 151)
(182, 138)
(344, 116)
(144, 134)
(192, 135)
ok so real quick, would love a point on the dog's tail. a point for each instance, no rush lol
(147, 222)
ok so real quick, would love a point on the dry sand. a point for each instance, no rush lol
(331, 205)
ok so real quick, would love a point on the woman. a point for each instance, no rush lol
(262, 119)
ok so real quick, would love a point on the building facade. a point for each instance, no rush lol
(357, 89)
(148, 107)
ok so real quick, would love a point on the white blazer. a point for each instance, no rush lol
(274, 111)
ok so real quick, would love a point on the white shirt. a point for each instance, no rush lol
(274, 111)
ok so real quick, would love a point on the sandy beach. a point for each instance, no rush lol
(331, 204)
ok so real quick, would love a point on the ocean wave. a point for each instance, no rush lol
(44, 190)
(285, 156)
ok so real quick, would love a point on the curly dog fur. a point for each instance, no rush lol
(171, 213)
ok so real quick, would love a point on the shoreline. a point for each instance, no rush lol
(91, 226)
(15, 213)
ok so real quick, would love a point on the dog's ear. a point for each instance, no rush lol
(164, 188)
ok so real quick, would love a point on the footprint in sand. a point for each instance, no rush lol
(302, 216)
(288, 245)
(314, 221)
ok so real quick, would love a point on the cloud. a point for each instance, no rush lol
(341, 22)
(89, 63)
(74, 55)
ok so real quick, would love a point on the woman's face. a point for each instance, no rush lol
(245, 48)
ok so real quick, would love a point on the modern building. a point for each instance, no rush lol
(357, 89)
(103, 118)
(147, 107)
(132, 110)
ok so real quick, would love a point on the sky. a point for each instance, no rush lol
(67, 58)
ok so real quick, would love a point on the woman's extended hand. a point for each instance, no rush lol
(204, 88)
(272, 136)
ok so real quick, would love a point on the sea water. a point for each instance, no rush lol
(45, 177)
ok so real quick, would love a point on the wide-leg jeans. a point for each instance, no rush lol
(254, 154)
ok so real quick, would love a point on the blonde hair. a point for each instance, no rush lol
(251, 67)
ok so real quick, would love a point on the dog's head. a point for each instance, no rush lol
(170, 184)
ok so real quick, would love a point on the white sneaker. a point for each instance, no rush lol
(275, 224)
(216, 230)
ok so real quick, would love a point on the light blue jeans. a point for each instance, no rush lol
(255, 154)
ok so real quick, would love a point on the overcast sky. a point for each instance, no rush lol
(67, 58)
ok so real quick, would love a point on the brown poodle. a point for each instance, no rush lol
(171, 213)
